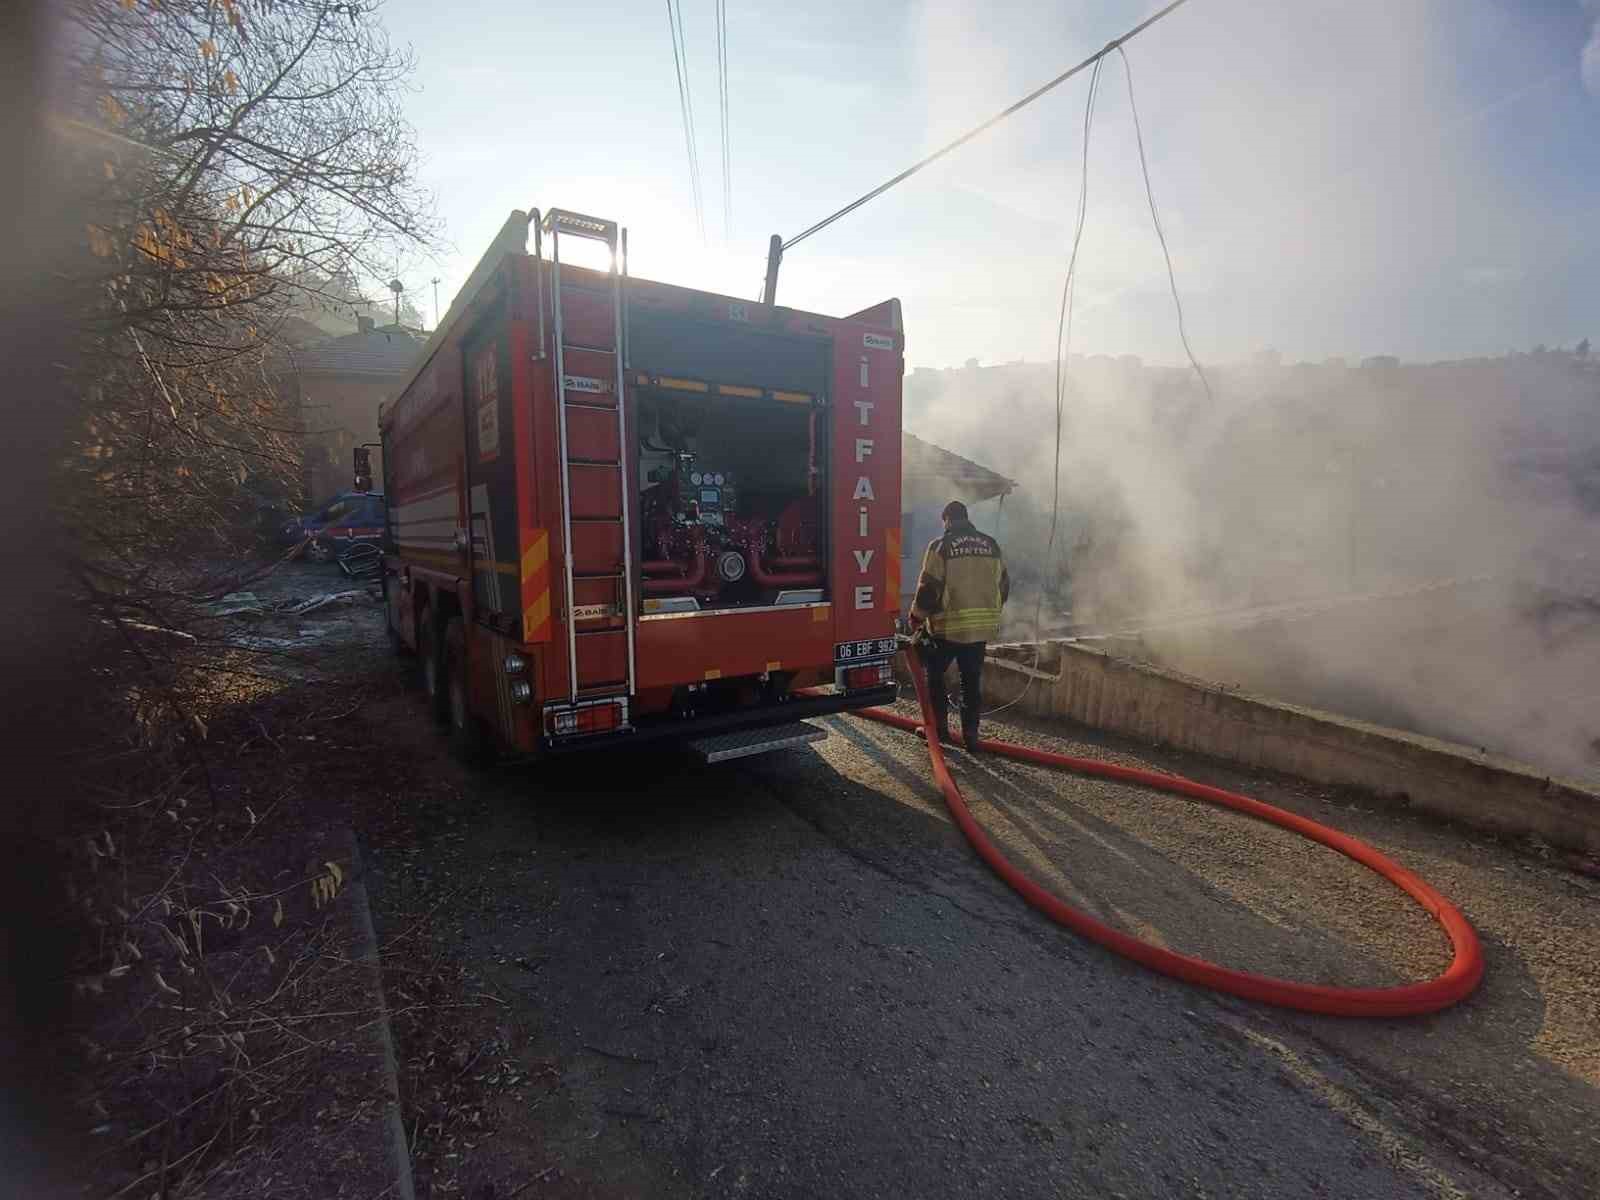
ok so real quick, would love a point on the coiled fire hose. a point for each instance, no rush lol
(1457, 982)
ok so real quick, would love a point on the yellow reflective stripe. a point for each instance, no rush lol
(537, 553)
(968, 619)
(536, 586)
(536, 619)
(683, 385)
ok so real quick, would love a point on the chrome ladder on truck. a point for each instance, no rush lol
(592, 430)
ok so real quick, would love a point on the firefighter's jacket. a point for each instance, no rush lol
(962, 586)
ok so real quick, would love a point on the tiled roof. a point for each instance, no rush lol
(924, 462)
(380, 352)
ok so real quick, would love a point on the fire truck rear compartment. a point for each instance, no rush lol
(731, 495)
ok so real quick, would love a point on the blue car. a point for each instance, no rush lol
(346, 520)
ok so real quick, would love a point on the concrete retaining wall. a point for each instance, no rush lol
(1089, 686)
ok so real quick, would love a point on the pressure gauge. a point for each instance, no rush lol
(695, 479)
(718, 480)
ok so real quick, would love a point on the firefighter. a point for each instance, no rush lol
(959, 595)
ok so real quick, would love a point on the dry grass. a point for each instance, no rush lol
(219, 1007)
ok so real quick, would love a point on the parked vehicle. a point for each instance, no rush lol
(349, 519)
(621, 510)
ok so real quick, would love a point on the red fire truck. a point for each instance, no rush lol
(620, 510)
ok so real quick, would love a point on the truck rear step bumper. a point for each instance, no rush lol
(658, 729)
(742, 743)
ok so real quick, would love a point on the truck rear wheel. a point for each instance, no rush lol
(468, 740)
(430, 649)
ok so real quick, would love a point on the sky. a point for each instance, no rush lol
(1335, 177)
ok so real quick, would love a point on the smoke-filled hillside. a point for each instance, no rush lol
(1315, 481)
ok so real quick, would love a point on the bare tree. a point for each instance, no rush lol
(226, 163)
(241, 158)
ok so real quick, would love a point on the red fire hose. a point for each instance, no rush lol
(1456, 983)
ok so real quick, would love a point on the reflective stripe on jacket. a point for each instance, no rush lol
(962, 586)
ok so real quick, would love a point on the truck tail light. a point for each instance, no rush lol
(870, 676)
(607, 716)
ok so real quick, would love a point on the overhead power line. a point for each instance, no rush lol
(1094, 58)
(680, 63)
(694, 133)
(722, 103)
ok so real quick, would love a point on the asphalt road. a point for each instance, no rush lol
(788, 976)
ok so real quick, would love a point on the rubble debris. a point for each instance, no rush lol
(312, 603)
(236, 604)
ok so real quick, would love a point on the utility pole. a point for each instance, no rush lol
(769, 292)
(436, 302)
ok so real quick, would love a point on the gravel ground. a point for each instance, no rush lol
(790, 976)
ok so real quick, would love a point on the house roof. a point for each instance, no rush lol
(933, 467)
(382, 352)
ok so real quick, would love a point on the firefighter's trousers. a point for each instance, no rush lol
(968, 657)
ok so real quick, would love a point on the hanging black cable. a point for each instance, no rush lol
(1155, 217)
(1094, 58)
(1068, 292)
(1063, 350)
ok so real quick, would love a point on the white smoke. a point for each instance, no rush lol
(1324, 191)
(1439, 520)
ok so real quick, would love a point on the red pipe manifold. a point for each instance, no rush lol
(669, 585)
(811, 577)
